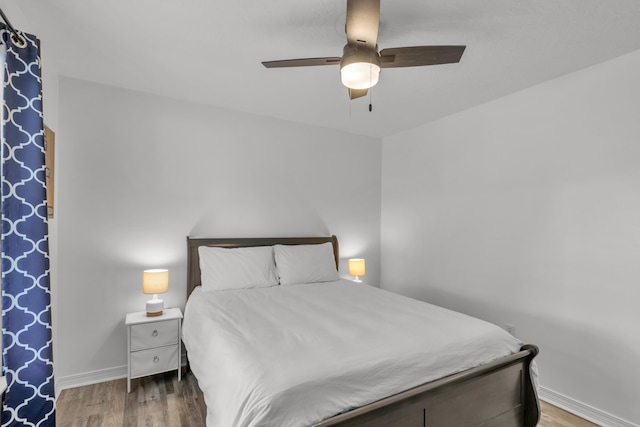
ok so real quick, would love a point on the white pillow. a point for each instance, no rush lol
(237, 268)
(305, 263)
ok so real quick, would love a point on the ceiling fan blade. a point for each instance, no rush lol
(303, 62)
(363, 18)
(420, 55)
(357, 93)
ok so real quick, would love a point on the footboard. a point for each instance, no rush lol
(500, 393)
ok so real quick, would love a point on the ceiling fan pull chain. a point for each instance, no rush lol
(370, 89)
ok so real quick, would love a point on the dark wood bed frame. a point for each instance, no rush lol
(500, 393)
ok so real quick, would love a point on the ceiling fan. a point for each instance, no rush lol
(361, 62)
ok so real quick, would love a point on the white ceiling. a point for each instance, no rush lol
(209, 51)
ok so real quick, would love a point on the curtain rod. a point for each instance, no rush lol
(17, 38)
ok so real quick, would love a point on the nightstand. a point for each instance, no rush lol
(153, 344)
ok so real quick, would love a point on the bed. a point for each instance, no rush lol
(307, 354)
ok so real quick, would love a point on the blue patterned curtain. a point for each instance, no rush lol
(26, 308)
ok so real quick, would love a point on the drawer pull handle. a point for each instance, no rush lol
(156, 359)
(155, 333)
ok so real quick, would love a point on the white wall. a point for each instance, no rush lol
(138, 173)
(526, 210)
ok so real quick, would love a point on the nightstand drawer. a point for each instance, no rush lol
(154, 360)
(155, 334)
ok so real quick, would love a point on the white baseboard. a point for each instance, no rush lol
(87, 378)
(582, 410)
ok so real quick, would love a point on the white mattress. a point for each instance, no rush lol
(295, 355)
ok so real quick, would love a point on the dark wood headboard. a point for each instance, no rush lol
(193, 260)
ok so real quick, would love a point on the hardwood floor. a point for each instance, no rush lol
(163, 401)
(556, 417)
(155, 401)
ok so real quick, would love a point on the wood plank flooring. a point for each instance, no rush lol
(155, 401)
(556, 417)
(163, 401)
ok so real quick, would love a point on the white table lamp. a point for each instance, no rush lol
(356, 268)
(155, 282)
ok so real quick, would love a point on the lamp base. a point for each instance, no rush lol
(357, 280)
(154, 307)
(154, 314)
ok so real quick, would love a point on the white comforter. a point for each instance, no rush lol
(295, 355)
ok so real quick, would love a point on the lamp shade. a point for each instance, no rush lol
(155, 281)
(356, 267)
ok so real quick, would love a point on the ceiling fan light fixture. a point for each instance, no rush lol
(360, 75)
(359, 67)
